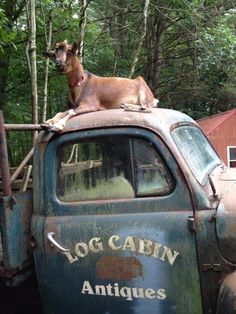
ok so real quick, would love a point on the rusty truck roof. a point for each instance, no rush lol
(158, 119)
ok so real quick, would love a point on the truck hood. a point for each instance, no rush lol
(226, 215)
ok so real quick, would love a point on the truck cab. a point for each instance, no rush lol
(132, 212)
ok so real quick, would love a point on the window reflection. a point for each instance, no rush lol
(196, 150)
(114, 167)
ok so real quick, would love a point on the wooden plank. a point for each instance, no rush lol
(78, 166)
(26, 178)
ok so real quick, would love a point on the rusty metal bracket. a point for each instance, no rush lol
(9, 201)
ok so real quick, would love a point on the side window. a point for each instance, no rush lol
(114, 167)
(231, 152)
(150, 172)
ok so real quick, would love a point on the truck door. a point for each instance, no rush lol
(113, 232)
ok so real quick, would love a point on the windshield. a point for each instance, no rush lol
(196, 150)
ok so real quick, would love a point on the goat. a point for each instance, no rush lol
(89, 92)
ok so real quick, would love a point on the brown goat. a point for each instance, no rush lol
(89, 92)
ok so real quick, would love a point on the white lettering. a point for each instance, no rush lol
(129, 244)
(145, 247)
(87, 288)
(156, 250)
(100, 290)
(109, 288)
(70, 257)
(127, 293)
(171, 258)
(78, 251)
(137, 245)
(111, 243)
(95, 245)
(161, 294)
(150, 293)
(116, 288)
(138, 293)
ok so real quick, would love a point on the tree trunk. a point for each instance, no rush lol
(48, 38)
(155, 40)
(121, 27)
(33, 66)
(140, 43)
(82, 25)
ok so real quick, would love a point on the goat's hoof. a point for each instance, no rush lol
(57, 128)
(142, 108)
(45, 126)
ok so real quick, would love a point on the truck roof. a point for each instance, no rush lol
(159, 119)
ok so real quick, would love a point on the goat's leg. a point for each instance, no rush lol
(59, 126)
(50, 122)
(147, 102)
(146, 98)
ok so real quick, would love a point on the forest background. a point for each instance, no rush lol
(185, 50)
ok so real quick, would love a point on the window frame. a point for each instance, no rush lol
(228, 156)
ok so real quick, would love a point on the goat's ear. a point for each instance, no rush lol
(49, 54)
(75, 48)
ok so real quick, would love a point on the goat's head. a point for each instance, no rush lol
(65, 55)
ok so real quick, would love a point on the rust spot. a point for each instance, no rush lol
(118, 268)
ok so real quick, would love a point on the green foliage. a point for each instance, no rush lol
(188, 56)
(7, 36)
(216, 61)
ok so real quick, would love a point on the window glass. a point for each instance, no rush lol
(196, 150)
(151, 175)
(108, 168)
(232, 157)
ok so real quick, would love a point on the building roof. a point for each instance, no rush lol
(211, 123)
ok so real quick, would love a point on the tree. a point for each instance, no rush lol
(9, 13)
(32, 61)
(48, 39)
(142, 37)
(185, 50)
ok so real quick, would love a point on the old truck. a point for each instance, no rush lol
(131, 212)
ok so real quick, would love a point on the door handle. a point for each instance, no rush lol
(191, 223)
(53, 242)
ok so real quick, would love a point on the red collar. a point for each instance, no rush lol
(77, 82)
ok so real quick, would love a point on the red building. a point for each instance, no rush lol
(221, 131)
